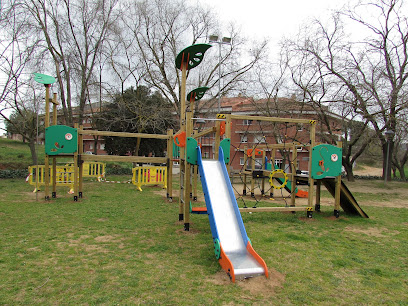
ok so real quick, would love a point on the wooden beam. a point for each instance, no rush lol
(272, 209)
(205, 132)
(271, 119)
(133, 159)
(122, 134)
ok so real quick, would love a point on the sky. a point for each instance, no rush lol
(270, 18)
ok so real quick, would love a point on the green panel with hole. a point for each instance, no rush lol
(326, 161)
(61, 139)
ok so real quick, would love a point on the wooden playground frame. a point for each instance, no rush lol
(79, 157)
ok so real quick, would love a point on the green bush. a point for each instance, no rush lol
(11, 174)
(116, 169)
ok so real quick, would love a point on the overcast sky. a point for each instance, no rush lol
(269, 18)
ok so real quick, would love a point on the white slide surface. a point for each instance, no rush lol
(229, 227)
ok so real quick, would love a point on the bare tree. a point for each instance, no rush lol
(73, 32)
(161, 29)
(373, 70)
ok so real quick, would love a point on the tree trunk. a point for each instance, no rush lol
(96, 145)
(387, 149)
(349, 170)
(31, 144)
(402, 172)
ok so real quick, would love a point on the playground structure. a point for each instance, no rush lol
(231, 243)
(67, 142)
(232, 246)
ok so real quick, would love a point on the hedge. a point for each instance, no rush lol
(10, 174)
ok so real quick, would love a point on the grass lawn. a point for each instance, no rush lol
(121, 246)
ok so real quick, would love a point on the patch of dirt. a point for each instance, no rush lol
(372, 231)
(181, 230)
(108, 238)
(367, 170)
(254, 286)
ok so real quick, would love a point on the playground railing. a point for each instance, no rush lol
(64, 174)
(154, 175)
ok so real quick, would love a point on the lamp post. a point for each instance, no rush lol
(389, 134)
(224, 41)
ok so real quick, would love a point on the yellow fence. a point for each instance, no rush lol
(65, 174)
(149, 176)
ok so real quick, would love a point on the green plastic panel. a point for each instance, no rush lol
(217, 248)
(44, 79)
(326, 161)
(196, 94)
(225, 144)
(191, 150)
(61, 139)
(193, 55)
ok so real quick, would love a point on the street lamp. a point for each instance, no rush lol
(223, 41)
(389, 135)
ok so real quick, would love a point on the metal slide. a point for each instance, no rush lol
(232, 246)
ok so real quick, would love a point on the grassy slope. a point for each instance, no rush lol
(118, 245)
(16, 154)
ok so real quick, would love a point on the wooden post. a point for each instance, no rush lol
(76, 185)
(245, 176)
(217, 139)
(170, 165)
(252, 173)
(293, 176)
(80, 161)
(263, 168)
(273, 155)
(182, 200)
(46, 125)
(228, 135)
(54, 109)
(312, 144)
(318, 191)
(187, 176)
(337, 192)
(195, 174)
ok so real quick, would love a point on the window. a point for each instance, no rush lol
(258, 163)
(91, 146)
(259, 139)
(299, 127)
(241, 161)
(278, 162)
(102, 146)
(246, 122)
(244, 138)
(206, 155)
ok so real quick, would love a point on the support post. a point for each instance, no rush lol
(217, 139)
(46, 125)
(318, 191)
(337, 192)
(187, 176)
(245, 166)
(293, 176)
(312, 144)
(80, 161)
(182, 199)
(228, 135)
(252, 173)
(170, 165)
